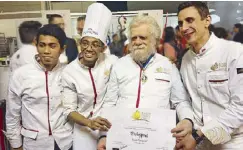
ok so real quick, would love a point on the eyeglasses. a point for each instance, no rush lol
(94, 45)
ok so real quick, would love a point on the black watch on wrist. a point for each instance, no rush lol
(102, 136)
(197, 138)
(190, 121)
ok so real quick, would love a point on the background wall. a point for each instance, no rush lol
(75, 7)
(228, 11)
(14, 6)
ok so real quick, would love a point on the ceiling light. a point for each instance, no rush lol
(239, 18)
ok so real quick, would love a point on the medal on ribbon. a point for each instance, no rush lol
(136, 115)
(144, 78)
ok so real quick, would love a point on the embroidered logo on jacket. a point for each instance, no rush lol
(218, 66)
(162, 70)
(159, 70)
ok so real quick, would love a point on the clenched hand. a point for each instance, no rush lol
(99, 123)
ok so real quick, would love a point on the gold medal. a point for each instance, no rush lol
(136, 115)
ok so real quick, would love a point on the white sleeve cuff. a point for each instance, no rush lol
(215, 133)
(15, 141)
(102, 133)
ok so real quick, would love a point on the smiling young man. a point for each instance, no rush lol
(35, 98)
(85, 80)
(212, 72)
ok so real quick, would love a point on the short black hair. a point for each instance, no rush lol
(51, 17)
(81, 18)
(169, 34)
(53, 30)
(220, 32)
(28, 31)
(238, 37)
(238, 25)
(201, 7)
(211, 28)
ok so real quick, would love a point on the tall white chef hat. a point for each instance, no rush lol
(97, 22)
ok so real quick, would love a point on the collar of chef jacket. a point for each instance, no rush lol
(144, 65)
(37, 59)
(206, 47)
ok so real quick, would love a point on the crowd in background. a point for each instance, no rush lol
(172, 44)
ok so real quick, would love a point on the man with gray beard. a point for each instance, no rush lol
(144, 78)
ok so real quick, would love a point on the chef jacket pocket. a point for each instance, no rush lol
(162, 84)
(218, 80)
(30, 133)
(162, 78)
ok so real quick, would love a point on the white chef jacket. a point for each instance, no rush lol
(24, 55)
(35, 98)
(78, 91)
(80, 85)
(214, 80)
(160, 84)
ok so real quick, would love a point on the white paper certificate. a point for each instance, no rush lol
(140, 129)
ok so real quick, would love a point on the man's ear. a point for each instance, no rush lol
(64, 47)
(103, 48)
(208, 20)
